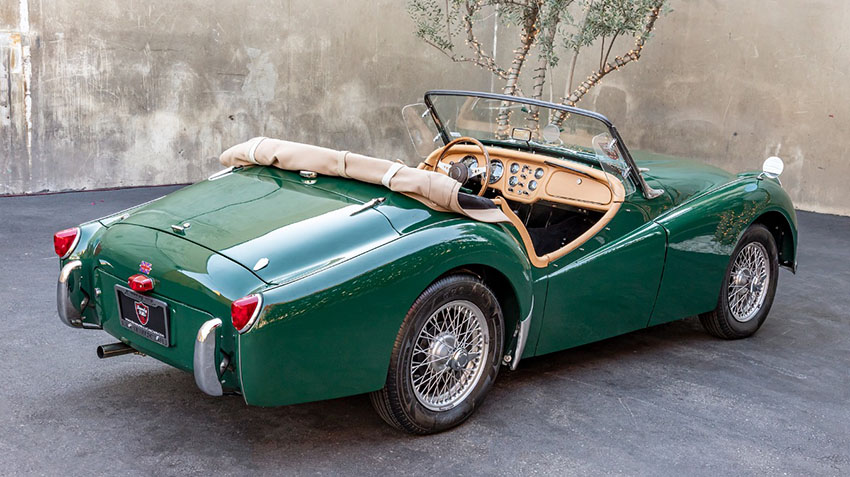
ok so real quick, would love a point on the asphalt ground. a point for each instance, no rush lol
(669, 400)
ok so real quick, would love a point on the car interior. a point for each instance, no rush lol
(556, 204)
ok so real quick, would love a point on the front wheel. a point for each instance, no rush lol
(748, 287)
(445, 359)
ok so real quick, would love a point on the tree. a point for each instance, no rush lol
(546, 27)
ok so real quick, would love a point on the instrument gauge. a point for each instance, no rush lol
(513, 181)
(532, 185)
(514, 168)
(539, 173)
(496, 171)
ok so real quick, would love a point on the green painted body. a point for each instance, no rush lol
(341, 277)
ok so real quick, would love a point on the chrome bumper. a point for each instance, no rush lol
(204, 362)
(68, 313)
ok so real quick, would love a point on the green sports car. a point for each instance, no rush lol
(301, 273)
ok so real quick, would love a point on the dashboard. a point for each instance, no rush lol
(526, 177)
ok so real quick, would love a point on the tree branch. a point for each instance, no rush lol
(619, 62)
(610, 45)
(463, 59)
(602, 52)
(482, 58)
(448, 23)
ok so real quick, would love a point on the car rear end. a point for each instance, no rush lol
(179, 279)
(158, 294)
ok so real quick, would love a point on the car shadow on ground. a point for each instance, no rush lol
(130, 396)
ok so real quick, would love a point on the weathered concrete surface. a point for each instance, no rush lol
(735, 82)
(669, 400)
(129, 93)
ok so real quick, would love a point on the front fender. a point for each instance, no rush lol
(331, 334)
(701, 236)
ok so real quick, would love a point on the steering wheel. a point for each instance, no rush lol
(460, 171)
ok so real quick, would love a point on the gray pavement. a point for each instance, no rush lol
(669, 400)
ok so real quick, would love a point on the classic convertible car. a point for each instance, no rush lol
(300, 273)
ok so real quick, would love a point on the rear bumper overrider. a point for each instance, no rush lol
(68, 313)
(204, 364)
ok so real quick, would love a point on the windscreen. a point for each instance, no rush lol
(518, 124)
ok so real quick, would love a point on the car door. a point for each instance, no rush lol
(609, 284)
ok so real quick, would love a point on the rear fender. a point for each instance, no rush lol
(331, 334)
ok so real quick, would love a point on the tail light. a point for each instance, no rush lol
(244, 311)
(140, 283)
(64, 241)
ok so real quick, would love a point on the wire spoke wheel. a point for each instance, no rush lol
(445, 358)
(449, 355)
(749, 281)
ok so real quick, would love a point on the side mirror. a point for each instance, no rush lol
(772, 167)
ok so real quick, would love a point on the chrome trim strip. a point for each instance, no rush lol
(203, 362)
(368, 205)
(68, 313)
(239, 367)
(524, 327)
(223, 172)
(261, 264)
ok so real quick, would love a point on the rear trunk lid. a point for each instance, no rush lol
(275, 223)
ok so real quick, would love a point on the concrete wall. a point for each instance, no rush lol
(733, 82)
(133, 93)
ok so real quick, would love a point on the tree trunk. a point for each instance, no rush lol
(552, 21)
(527, 37)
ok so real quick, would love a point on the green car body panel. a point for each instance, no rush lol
(340, 275)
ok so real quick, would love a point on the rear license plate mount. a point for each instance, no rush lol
(143, 315)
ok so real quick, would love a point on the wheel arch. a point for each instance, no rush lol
(502, 287)
(783, 234)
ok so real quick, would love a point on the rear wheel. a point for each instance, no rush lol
(445, 359)
(748, 287)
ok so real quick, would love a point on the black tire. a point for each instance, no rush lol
(721, 321)
(397, 403)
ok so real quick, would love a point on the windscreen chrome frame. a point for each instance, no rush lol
(647, 191)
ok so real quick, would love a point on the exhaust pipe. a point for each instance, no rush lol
(114, 349)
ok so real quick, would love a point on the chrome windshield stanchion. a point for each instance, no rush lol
(68, 313)
(204, 363)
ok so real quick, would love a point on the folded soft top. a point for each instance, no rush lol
(435, 190)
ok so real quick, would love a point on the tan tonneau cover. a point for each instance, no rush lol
(437, 191)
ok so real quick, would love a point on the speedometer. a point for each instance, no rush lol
(496, 171)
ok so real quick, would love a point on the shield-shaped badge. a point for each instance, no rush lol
(142, 313)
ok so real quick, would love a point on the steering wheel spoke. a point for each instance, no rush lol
(476, 171)
(468, 172)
